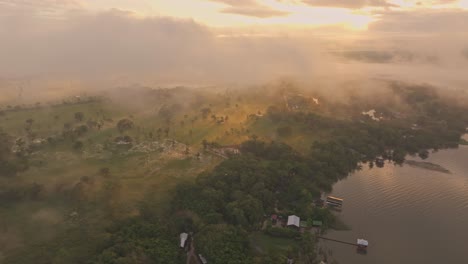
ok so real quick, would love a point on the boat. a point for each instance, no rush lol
(362, 245)
(334, 201)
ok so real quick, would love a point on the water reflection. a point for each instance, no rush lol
(408, 214)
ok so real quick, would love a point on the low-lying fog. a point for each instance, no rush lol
(44, 58)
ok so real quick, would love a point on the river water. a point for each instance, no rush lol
(408, 214)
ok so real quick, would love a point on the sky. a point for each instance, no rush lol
(120, 42)
(355, 14)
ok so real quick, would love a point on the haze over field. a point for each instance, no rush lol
(73, 44)
(179, 131)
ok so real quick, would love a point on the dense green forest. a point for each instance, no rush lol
(115, 213)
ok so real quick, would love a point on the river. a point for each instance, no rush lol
(409, 214)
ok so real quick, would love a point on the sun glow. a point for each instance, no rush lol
(290, 13)
(300, 14)
(297, 14)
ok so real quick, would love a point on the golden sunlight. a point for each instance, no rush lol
(319, 16)
(299, 15)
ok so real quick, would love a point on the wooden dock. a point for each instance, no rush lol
(339, 241)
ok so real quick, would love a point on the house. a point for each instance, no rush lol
(183, 239)
(293, 220)
(230, 150)
(226, 150)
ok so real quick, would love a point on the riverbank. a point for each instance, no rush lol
(396, 209)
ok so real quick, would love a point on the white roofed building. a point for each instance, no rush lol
(362, 243)
(183, 239)
(293, 220)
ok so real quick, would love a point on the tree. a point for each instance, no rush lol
(79, 116)
(308, 248)
(205, 112)
(67, 126)
(29, 121)
(35, 191)
(124, 125)
(125, 139)
(8, 163)
(92, 124)
(78, 145)
(284, 131)
(423, 154)
(28, 127)
(168, 112)
(80, 130)
(104, 171)
(140, 242)
(224, 244)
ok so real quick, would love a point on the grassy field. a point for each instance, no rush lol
(72, 182)
(264, 243)
(58, 169)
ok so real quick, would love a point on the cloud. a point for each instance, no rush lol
(38, 7)
(434, 2)
(249, 8)
(119, 46)
(355, 4)
(41, 3)
(260, 12)
(237, 2)
(422, 20)
(400, 56)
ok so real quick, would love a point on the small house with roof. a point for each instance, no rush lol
(293, 221)
(183, 239)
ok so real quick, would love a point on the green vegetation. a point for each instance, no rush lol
(110, 181)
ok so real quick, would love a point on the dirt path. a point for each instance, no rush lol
(191, 254)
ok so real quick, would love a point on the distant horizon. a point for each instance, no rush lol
(108, 43)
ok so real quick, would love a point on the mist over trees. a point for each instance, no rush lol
(161, 168)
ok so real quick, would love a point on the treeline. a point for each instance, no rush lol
(38, 105)
(429, 122)
(139, 241)
(235, 198)
(10, 164)
(223, 207)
